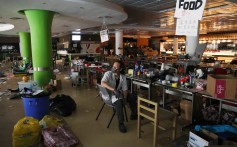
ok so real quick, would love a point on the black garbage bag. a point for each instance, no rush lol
(63, 105)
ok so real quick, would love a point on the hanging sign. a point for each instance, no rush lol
(188, 27)
(189, 8)
(104, 35)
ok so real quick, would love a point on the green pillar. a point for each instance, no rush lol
(40, 22)
(25, 44)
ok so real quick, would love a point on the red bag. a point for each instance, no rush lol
(58, 137)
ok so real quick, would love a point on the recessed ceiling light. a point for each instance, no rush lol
(76, 32)
(105, 17)
(65, 26)
(15, 18)
(6, 26)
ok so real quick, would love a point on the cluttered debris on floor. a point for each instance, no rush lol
(50, 131)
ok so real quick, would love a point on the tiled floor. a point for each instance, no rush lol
(90, 132)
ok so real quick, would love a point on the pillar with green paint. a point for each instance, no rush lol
(40, 22)
(25, 46)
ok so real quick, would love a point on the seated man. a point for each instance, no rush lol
(115, 81)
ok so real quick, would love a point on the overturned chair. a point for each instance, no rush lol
(106, 98)
(150, 110)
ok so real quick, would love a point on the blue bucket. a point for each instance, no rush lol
(36, 107)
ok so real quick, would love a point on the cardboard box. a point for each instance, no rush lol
(221, 86)
(186, 110)
(199, 139)
(213, 136)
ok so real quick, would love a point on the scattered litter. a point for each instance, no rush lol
(55, 70)
(2, 81)
(66, 78)
(10, 106)
(8, 94)
(87, 111)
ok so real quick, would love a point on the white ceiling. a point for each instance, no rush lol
(135, 17)
(71, 14)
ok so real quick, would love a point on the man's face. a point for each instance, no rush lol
(116, 67)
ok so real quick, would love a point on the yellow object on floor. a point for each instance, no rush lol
(26, 132)
(50, 121)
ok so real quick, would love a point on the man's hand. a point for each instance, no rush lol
(117, 93)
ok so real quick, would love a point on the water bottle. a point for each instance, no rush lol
(141, 68)
(136, 69)
(191, 77)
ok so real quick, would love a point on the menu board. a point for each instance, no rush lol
(188, 27)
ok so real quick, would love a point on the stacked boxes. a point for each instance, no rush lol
(221, 86)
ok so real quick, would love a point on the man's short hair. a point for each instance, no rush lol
(120, 63)
(122, 67)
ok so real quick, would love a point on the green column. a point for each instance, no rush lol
(40, 22)
(25, 44)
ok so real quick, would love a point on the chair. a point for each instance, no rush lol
(65, 63)
(77, 79)
(150, 110)
(107, 101)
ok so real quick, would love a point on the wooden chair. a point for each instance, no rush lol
(150, 110)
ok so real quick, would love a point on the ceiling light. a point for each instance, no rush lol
(65, 26)
(214, 15)
(15, 18)
(165, 10)
(218, 7)
(76, 32)
(6, 26)
(223, 40)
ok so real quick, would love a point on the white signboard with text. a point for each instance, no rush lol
(188, 27)
(104, 35)
(189, 9)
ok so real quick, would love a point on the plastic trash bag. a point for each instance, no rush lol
(58, 137)
(26, 132)
(50, 121)
(217, 128)
(63, 105)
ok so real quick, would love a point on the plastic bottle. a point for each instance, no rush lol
(191, 77)
(136, 69)
(141, 68)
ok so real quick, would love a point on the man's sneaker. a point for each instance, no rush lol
(133, 117)
(122, 128)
